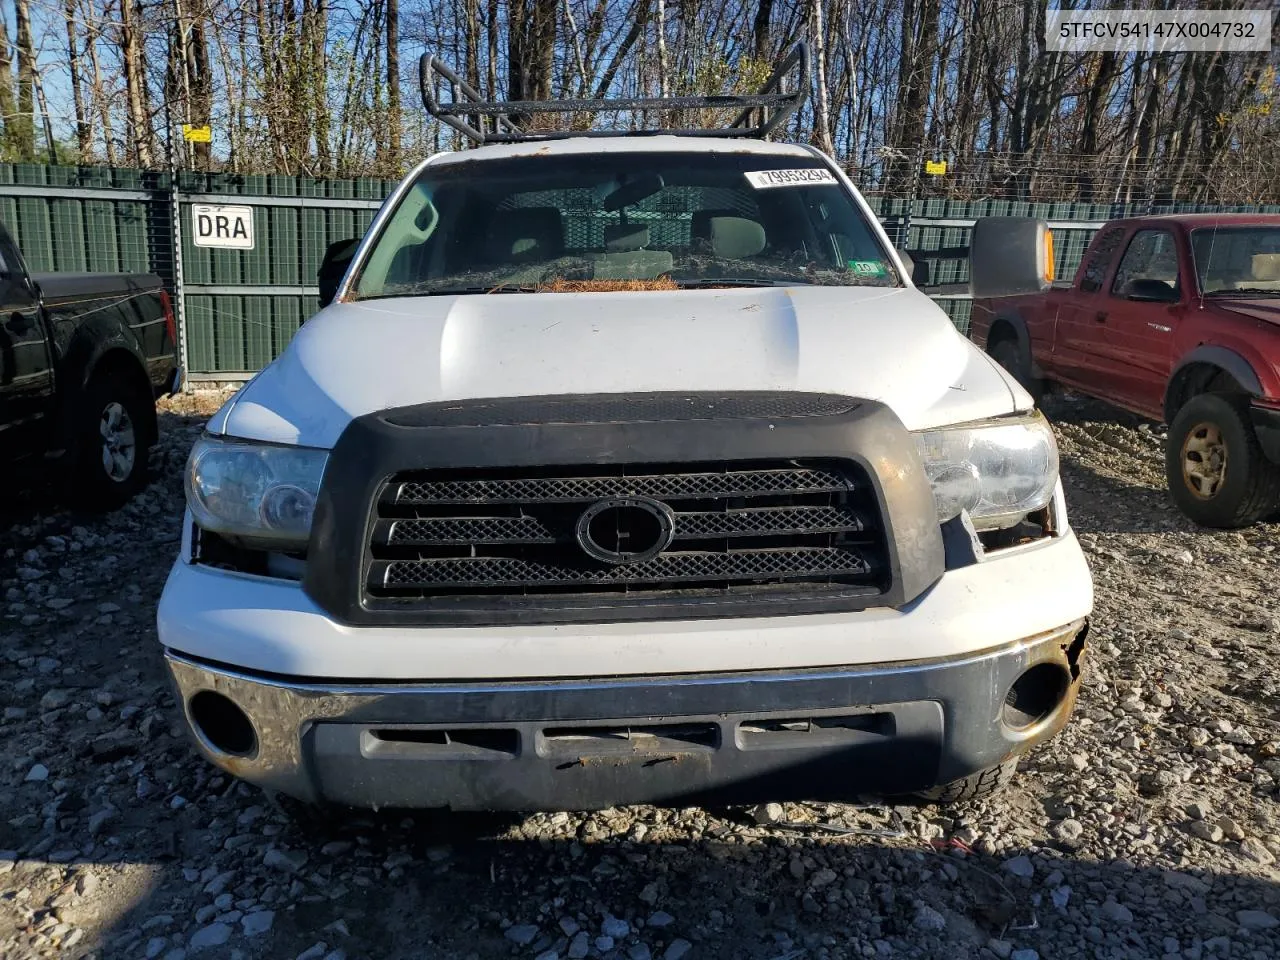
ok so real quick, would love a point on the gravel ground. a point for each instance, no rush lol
(1149, 828)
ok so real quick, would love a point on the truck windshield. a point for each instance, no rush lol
(623, 221)
(1236, 261)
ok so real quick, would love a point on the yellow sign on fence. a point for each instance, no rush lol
(935, 168)
(194, 134)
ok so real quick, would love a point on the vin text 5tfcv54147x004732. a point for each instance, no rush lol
(623, 469)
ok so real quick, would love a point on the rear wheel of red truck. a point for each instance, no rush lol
(1218, 475)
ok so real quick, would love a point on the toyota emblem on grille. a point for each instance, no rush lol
(625, 529)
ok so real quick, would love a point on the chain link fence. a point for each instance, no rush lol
(239, 308)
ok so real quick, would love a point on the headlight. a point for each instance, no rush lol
(998, 471)
(254, 491)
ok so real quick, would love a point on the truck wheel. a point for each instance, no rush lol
(1009, 355)
(982, 784)
(111, 445)
(1218, 475)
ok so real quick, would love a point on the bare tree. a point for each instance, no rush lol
(22, 122)
(71, 15)
(141, 133)
(394, 118)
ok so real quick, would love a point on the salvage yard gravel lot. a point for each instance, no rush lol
(1149, 828)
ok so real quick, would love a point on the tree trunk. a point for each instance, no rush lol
(50, 143)
(394, 122)
(235, 107)
(542, 37)
(920, 48)
(200, 84)
(83, 142)
(629, 41)
(662, 48)
(136, 99)
(1095, 100)
(517, 52)
(492, 53)
(100, 99)
(821, 105)
(760, 29)
(579, 59)
(7, 113)
(178, 81)
(24, 121)
(318, 86)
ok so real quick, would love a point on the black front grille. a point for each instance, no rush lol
(734, 528)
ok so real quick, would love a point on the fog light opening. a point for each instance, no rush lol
(1035, 695)
(222, 724)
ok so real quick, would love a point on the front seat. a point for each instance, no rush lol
(736, 238)
(525, 235)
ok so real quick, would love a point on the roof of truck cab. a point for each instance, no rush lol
(664, 143)
(1192, 220)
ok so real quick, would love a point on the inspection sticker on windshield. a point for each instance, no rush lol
(811, 176)
(869, 268)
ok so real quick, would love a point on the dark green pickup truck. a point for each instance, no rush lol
(83, 358)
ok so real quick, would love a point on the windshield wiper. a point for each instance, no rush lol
(481, 288)
(406, 290)
(1245, 291)
(739, 282)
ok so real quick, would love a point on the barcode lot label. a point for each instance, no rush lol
(809, 177)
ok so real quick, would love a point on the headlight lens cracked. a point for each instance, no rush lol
(998, 470)
(254, 491)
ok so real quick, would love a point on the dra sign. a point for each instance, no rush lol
(227, 227)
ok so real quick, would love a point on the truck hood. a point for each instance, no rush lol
(892, 345)
(1266, 310)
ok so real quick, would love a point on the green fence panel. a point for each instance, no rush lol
(35, 232)
(228, 334)
(315, 237)
(258, 350)
(285, 258)
(102, 239)
(133, 225)
(70, 240)
(201, 323)
(256, 263)
(9, 214)
(287, 316)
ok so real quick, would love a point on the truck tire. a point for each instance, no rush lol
(1008, 354)
(110, 456)
(982, 784)
(1218, 475)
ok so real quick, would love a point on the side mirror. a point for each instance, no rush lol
(333, 267)
(919, 272)
(1009, 256)
(1150, 291)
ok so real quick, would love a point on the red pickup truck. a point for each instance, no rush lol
(1175, 318)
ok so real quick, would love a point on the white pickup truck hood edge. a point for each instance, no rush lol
(351, 359)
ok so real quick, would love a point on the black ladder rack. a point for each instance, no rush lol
(491, 121)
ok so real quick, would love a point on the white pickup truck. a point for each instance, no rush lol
(626, 470)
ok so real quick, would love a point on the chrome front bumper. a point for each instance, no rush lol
(834, 733)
